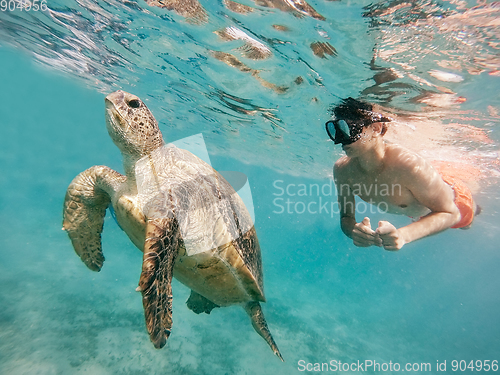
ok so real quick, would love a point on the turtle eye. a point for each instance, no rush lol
(134, 103)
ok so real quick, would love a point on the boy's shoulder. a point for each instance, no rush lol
(342, 164)
(407, 165)
(400, 157)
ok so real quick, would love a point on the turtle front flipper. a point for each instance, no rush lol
(254, 310)
(160, 252)
(85, 205)
(199, 304)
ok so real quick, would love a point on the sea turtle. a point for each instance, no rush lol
(181, 213)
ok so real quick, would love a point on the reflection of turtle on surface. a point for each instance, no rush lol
(184, 216)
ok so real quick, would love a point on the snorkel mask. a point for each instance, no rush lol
(341, 133)
(346, 132)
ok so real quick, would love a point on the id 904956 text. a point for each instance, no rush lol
(23, 5)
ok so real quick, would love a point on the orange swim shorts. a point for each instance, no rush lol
(463, 199)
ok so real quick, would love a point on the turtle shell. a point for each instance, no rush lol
(219, 256)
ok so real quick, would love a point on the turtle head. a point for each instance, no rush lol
(131, 125)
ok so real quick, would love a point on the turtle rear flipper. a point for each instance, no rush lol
(160, 252)
(254, 310)
(199, 304)
(85, 205)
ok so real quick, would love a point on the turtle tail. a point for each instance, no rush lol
(254, 310)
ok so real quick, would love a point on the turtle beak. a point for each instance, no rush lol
(114, 98)
(114, 121)
(115, 105)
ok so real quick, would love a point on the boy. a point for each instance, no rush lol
(392, 176)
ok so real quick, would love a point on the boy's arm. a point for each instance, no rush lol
(361, 233)
(345, 198)
(431, 191)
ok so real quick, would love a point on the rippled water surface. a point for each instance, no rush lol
(257, 79)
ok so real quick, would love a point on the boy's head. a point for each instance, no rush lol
(351, 116)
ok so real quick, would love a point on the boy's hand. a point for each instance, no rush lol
(390, 236)
(364, 236)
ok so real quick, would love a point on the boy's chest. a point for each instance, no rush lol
(383, 187)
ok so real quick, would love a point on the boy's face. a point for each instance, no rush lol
(354, 137)
(369, 133)
(352, 120)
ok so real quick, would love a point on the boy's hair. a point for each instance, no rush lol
(356, 111)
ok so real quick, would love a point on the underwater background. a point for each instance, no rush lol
(258, 80)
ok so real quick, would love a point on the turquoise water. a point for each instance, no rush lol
(435, 300)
